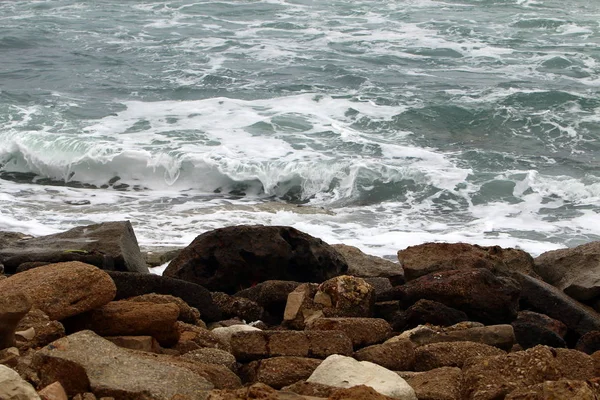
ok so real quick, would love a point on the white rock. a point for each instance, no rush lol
(13, 387)
(346, 372)
(225, 333)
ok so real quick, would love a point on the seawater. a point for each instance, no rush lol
(379, 124)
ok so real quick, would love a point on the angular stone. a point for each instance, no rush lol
(13, 387)
(237, 307)
(301, 308)
(428, 312)
(557, 390)
(278, 372)
(450, 354)
(477, 292)
(346, 372)
(255, 254)
(530, 335)
(64, 289)
(128, 318)
(187, 314)
(84, 361)
(443, 383)
(426, 258)
(346, 296)
(192, 337)
(367, 266)
(209, 355)
(54, 391)
(361, 331)
(13, 307)
(322, 344)
(109, 245)
(132, 284)
(396, 356)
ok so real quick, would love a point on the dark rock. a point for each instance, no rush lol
(132, 284)
(477, 292)
(395, 356)
(109, 245)
(367, 266)
(46, 331)
(530, 335)
(428, 312)
(543, 320)
(13, 307)
(360, 392)
(450, 354)
(237, 257)
(240, 307)
(279, 371)
(362, 331)
(589, 343)
(380, 285)
(426, 258)
(271, 295)
(388, 310)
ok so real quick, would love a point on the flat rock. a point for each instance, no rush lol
(361, 331)
(395, 356)
(346, 372)
(443, 383)
(278, 372)
(426, 258)
(225, 333)
(254, 254)
(64, 289)
(187, 314)
(450, 354)
(367, 266)
(209, 355)
(13, 387)
(132, 284)
(84, 361)
(109, 245)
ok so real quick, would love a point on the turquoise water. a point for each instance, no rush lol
(408, 121)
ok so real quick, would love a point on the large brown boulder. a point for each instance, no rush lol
(64, 289)
(477, 292)
(109, 245)
(361, 331)
(450, 354)
(396, 356)
(278, 372)
(575, 271)
(237, 257)
(426, 258)
(443, 383)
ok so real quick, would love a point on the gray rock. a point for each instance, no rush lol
(13, 387)
(368, 266)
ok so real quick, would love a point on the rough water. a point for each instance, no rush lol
(380, 124)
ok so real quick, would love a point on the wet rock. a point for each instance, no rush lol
(109, 245)
(255, 254)
(132, 285)
(589, 343)
(84, 361)
(237, 307)
(427, 312)
(575, 271)
(367, 266)
(443, 383)
(345, 296)
(63, 290)
(450, 354)
(127, 318)
(278, 372)
(13, 387)
(477, 292)
(543, 320)
(530, 335)
(396, 356)
(346, 372)
(361, 331)
(557, 390)
(426, 258)
(187, 314)
(13, 307)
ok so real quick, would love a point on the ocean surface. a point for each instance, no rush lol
(379, 124)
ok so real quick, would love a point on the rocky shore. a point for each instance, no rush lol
(269, 312)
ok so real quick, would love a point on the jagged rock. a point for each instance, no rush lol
(543, 320)
(361, 331)
(367, 266)
(209, 355)
(13, 307)
(346, 372)
(450, 354)
(240, 307)
(54, 391)
(426, 258)
(557, 390)
(575, 271)
(45, 330)
(128, 318)
(396, 356)
(345, 296)
(427, 312)
(301, 308)
(84, 361)
(443, 383)
(13, 387)
(255, 254)
(63, 290)
(109, 245)
(530, 335)
(132, 284)
(187, 314)
(477, 292)
(278, 372)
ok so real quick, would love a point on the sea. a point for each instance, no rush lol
(379, 124)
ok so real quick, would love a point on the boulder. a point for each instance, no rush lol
(367, 266)
(254, 254)
(575, 271)
(237, 307)
(544, 321)
(109, 245)
(443, 383)
(346, 372)
(477, 292)
(64, 289)
(589, 343)
(84, 361)
(530, 335)
(396, 356)
(547, 299)
(187, 314)
(427, 312)
(450, 354)
(361, 331)
(345, 296)
(13, 307)
(128, 318)
(557, 390)
(13, 387)
(278, 372)
(301, 308)
(426, 258)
